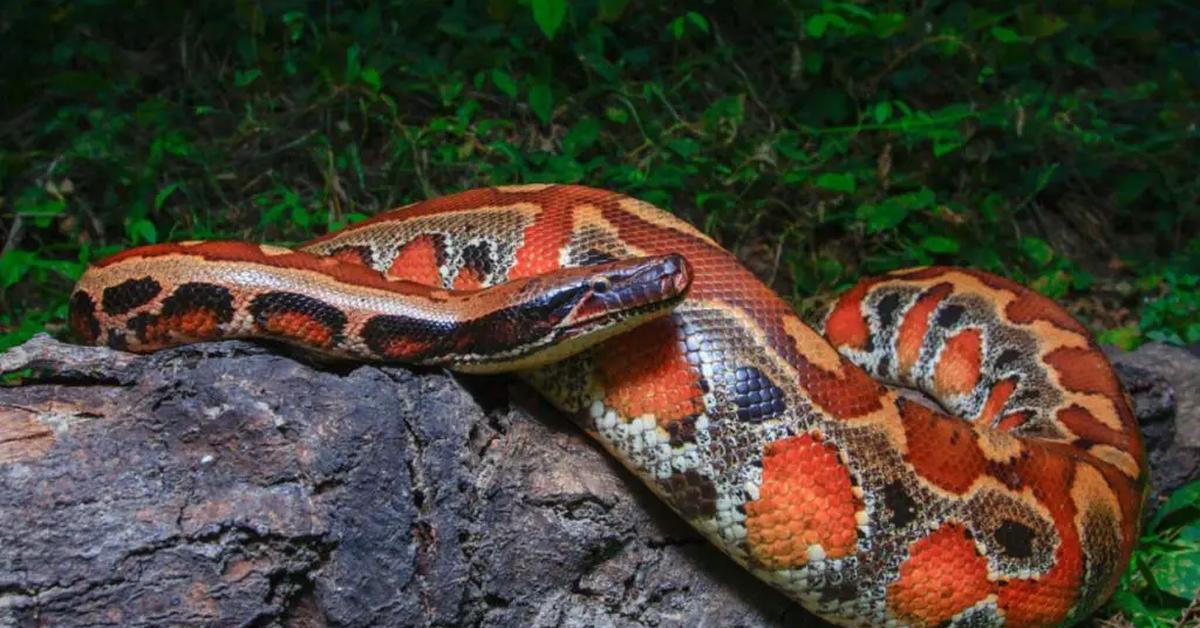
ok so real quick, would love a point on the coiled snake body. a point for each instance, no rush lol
(1016, 502)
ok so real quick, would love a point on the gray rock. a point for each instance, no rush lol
(228, 484)
(1164, 382)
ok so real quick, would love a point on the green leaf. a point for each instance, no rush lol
(816, 25)
(881, 216)
(698, 21)
(370, 77)
(504, 82)
(13, 266)
(164, 194)
(1178, 573)
(1037, 250)
(581, 136)
(837, 182)
(541, 101)
(142, 230)
(1184, 497)
(549, 15)
(882, 111)
(938, 244)
(243, 78)
(1006, 35)
(353, 64)
(1127, 337)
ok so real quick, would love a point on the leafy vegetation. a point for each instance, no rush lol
(820, 140)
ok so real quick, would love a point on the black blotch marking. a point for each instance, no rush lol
(82, 316)
(900, 503)
(756, 396)
(1015, 539)
(693, 494)
(949, 316)
(118, 341)
(362, 252)
(138, 325)
(682, 431)
(128, 295)
(478, 257)
(200, 296)
(264, 306)
(594, 256)
(1027, 395)
(381, 331)
(841, 592)
(881, 368)
(1083, 443)
(887, 309)
(1007, 357)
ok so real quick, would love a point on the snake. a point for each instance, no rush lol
(945, 447)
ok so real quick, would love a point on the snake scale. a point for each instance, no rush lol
(1006, 491)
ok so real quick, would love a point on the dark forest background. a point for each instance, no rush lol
(1052, 142)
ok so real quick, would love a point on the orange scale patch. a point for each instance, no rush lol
(1044, 601)
(943, 576)
(468, 279)
(941, 449)
(997, 397)
(846, 325)
(806, 498)
(417, 261)
(645, 372)
(197, 324)
(1012, 421)
(300, 327)
(403, 349)
(915, 325)
(957, 368)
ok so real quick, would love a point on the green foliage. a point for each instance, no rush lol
(820, 140)
(1163, 580)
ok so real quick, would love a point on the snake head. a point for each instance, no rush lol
(553, 316)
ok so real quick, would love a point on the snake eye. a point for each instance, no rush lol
(600, 286)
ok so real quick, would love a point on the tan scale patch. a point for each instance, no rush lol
(272, 251)
(1099, 406)
(525, 187)
(1091, 489)
(660, 218)
(999, 446)
(1117, 458)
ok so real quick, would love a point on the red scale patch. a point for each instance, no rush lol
(943, 576)
(418, 261)
(915, 325)
(299, 327)
(941, 449)
(957, 368)
(645, 372)
(806, 498)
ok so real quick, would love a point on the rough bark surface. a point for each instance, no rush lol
(230, 484)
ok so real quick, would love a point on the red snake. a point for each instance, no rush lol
(1010, 495)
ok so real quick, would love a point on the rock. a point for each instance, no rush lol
(1164, 382)
(231, 484)
(228, 484)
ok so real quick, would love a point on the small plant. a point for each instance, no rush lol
(1163, 580)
